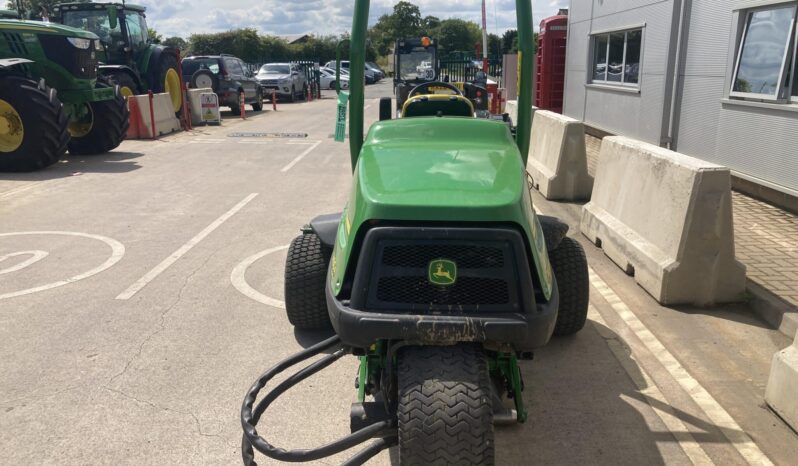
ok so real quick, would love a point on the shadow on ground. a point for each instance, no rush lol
(73, 165)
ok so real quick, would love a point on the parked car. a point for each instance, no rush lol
(229, 78)
(371, 75)
(285, 78)
(328, 79)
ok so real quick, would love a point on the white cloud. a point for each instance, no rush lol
(186, 17)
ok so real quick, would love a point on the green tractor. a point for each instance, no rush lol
(50, 97)
(9, 14)
(127, 57)
(439, 275)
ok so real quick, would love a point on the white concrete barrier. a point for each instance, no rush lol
(557, 157)
(666, 218)
(511, 108)
(782, 390)
(142, 119)
(199, 113)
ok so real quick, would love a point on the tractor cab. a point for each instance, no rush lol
(127, 57)
(415, 62)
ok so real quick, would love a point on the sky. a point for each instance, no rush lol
(281, 17)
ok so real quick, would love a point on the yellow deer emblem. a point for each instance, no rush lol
(442, 272)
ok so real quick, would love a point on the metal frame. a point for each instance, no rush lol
(779, 96)
(591, 64)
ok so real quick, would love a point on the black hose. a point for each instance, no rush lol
(371, 451)
(249, 419)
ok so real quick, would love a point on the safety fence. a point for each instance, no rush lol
(463, 69)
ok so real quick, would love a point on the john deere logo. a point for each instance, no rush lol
(442, 272)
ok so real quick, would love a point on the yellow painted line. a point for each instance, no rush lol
(646, 386)
(719, 416)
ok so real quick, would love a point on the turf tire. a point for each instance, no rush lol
(45, 125)
(570, 268)
(305, 278)
(445, 413)
(111, 122)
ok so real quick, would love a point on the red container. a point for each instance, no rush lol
(550, 75)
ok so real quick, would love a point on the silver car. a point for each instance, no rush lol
(284, 78)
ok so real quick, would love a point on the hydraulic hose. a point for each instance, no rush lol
(250, 418)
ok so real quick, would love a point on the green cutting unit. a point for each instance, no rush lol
(438, 275)
(50, 97)
(127, 57)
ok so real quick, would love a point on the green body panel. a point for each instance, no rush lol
(440, 170)
(72, 91)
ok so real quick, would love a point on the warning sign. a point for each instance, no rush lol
(209, 104)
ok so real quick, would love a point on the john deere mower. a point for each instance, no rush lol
(127, 58)
(438, 275)
(50, 97)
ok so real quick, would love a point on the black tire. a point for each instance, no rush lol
(214, 80)
(44, 125)
(332, 85)
(445, 412)
(293, 94)
(386, 108)
(305, 277)
(305, 92)
(123, 80)
(109, 129)
(570, 268)
(258, 104)
(167, 62)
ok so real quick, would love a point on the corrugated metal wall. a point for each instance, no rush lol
(758, 142)
(638, 115)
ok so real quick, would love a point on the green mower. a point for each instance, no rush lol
(438, 275)
(50, 97)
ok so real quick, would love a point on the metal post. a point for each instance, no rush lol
(152, 115)
(526, 59)
(357, 77)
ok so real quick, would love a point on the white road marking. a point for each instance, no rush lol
(646, 386)
(725, 423)
(35, 256)
(239, 279)
(152, 274)
(117, 252)
(19, 189)
(300, 157)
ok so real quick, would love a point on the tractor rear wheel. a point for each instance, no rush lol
(103, 128)
(33, 125)
(168, 81)
(570, 269)
(127, 85)
(305, 278)
(445, 412)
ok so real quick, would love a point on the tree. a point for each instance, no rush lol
(38, 9)
(405, 20)
(510, 41)
(457, 35)
(154, 37)
(430, 24)
(176, 42)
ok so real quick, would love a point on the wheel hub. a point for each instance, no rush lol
(12, 131)
(126, 91)
(82, 124)
(172, 87)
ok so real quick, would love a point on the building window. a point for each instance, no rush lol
(616, 58)
(764, 66)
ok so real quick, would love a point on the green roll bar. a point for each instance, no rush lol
(357, 70)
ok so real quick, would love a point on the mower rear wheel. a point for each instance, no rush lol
(33, 125)
(570, 268)
(104, 129)
(445, 412)
(305, 277)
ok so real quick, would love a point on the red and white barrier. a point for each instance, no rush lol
(151, 116)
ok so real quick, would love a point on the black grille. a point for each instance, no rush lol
(80, 63)
(467, 257)
(468, 291)
(15, 44)
(492, 272)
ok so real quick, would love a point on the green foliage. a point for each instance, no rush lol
(457, 35)
(177, 42)
(154, 37)
(39, 8)
(510, 41)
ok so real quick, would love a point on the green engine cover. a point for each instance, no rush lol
(454, 170)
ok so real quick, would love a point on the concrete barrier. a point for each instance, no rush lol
(161, 115)
(557, 157)
(511, 108)
(203, 114)
(666, 218)
(782, 390)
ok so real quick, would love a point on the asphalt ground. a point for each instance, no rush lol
(140, 296)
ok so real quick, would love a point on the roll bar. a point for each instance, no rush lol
(357, 70)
